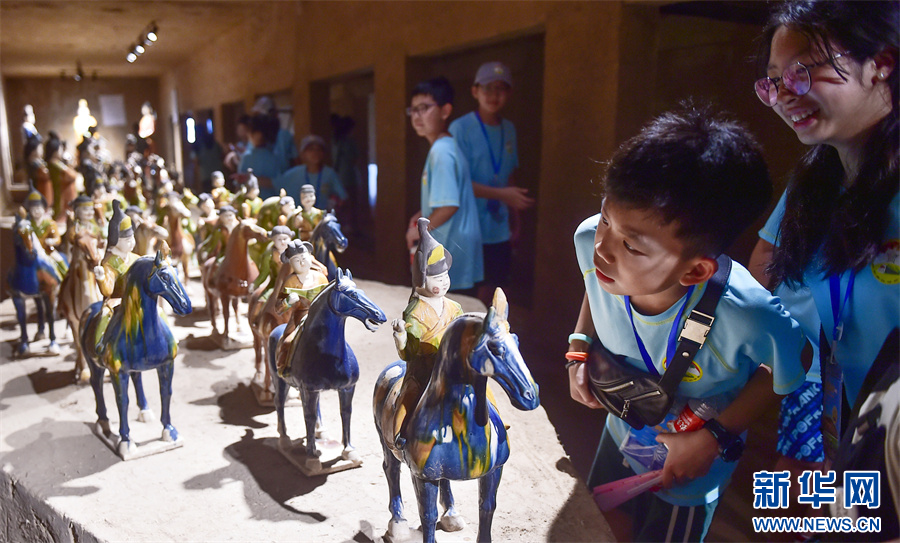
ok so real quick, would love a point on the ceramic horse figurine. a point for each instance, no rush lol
(136, 339)
(79, 290)
(320, 359)
(327, 239)
(230, 279)
(180, 242)
(34, 275)
(455, 431)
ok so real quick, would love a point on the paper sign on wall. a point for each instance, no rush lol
(112, 109)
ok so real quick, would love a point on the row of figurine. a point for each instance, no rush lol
(432, 407)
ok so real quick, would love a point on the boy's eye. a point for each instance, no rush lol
(603, 220)
(629, 247)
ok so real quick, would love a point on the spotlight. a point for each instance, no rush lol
(152, 33)
(139, 49)
(130, 57)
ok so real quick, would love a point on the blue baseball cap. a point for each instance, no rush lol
(493, 71)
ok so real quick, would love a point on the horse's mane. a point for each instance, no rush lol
(459, 338)
(327, 217)
(138, 273)
(318, 302)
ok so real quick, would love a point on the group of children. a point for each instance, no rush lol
(675, 197)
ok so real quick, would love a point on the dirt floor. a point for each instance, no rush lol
(228, 482)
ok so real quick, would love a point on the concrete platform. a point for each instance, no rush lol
(60, 482)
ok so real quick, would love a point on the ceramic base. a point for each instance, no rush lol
(142, 449)
(329, 462)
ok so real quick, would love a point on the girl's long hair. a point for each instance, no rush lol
(825, 229)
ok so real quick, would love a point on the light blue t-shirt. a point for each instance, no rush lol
(446, 182)
(264, 164)
(751, 328)
(493, 215)
(798, 301)
(325, 181)
(873, 310)
(285, 149)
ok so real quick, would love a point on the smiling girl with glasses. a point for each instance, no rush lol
(832, 245)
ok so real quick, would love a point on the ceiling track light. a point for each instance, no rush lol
(147, 38)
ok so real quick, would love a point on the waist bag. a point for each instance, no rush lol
(642, 399)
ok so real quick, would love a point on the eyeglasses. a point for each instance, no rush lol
(419, 110)
(795, 78)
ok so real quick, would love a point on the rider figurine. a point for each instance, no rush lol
(119, 257)
(45, 228)
(249, 195)
(418, 334)
(221, 196)
(296, 292)
(215, 245)
(273, 209)
(307, 217)
(82, 219)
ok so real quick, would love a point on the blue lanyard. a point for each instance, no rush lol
(497, 162)
(318, 179)
(838, 306)
(673, 333)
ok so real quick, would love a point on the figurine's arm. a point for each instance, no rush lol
(400, 336)
(53, 237)
(106, 279)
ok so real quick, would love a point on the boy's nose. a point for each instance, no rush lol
(601, 250)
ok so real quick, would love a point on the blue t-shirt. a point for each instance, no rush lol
(446, 182)
(325, 181)
(493, 215)
(873, 310)
(798, 301)
(264, 164)
(284, 148)
(751, 328)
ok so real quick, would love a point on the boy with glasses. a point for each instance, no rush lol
(488, 141)
(447, 199)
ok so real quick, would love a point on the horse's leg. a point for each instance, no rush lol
(120, 385)
(146, 414)
(280, 387)
(398, 530)
(39, 306)
(487, 502)
(21, 315)
(50, 306)
(165, 373)
(97, 373)
(211, 306)
(82, 374)
(426, 495)
(235, 303)
(451, 520)
(310, 399)
(346, 397)
(226, 313)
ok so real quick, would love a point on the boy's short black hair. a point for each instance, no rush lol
(695, 167)
(438, 88)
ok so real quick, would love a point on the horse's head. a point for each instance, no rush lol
(329, 231)
(163, 281)
(177, 209)
(496, 354)
(86, 243)
(249, 229)
(347, 300)
(24, 234)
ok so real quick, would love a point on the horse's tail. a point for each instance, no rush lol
(384, 399)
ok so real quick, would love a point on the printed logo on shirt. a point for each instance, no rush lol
(886, 266)
(693, 373)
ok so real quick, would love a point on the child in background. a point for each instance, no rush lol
(488, 141)
(314, 172)
(266, 166)
(447, 198)
(646, 260)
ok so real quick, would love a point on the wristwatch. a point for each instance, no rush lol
(731, 446)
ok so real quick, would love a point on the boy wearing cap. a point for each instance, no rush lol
(314, 172)
(447, 199)
(488, 141)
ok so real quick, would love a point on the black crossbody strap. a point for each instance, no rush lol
(696, 327)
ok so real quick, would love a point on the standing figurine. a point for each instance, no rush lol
(46, 230)
(28, 128)
(62, 177)
(305, 220)
(36, 168)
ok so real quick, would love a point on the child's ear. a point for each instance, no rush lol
(885, 64)
(475, 92)
(446, 110)
(702, 269)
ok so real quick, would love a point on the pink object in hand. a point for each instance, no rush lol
(613, 494)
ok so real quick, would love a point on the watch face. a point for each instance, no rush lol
(733, 450)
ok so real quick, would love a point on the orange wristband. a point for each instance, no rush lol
(576, 356)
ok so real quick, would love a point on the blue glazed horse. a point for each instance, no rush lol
(326, 239)
(35, 276)
(455, 431)
(320, 359)
(137, 339)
